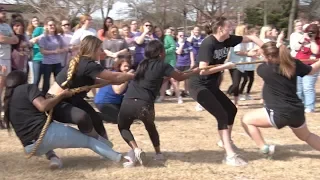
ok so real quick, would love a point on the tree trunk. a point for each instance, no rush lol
(265, 13)
(292, 17)
(102, 10)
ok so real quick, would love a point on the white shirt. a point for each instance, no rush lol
(80, 34)
(294, 43)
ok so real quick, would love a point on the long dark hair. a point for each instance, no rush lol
(13, 80)
(105, 27)
(152, 51)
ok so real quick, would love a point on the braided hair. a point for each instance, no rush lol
(89, 47)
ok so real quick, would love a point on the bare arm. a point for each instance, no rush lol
(180, 76)
(140, 39)
(47, 52)
(43, 104)
(214, 69)
(9, 40)
(314, 47)
(315, 68)
(115, 77)
(192, 59)
(118, 89)
(254, 39)
(179, 50)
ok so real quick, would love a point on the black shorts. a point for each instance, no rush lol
(183, 68)
(279, 120)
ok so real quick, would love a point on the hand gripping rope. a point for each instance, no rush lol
(49, 117)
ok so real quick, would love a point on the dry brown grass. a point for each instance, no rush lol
(188, 140)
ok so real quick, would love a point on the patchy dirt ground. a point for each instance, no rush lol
(188, 140)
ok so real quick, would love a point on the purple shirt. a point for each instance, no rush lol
(196, 43)
(51, 43)
(184, 58)
(140, 47)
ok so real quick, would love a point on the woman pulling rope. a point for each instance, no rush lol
(25, 109)
(84, 71)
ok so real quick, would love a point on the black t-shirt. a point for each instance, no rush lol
(213, 52)
(84, 75)
(26, 119)
(146, 89)
(280, 92)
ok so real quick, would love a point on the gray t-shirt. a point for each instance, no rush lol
(5, 49)
(113, 45)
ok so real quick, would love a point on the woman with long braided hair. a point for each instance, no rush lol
(84, 71)
(25, 108)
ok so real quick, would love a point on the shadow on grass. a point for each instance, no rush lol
(95, 162)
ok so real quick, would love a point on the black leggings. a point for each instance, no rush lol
(76, 110)
(109, 112)
(250, 75)
(132, 109)
(216, 103)
(236, 79)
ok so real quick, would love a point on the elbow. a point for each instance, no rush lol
(42, 109)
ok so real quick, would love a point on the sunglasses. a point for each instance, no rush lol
(148, 25)
(65, 24)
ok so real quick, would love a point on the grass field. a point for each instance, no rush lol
(188, 140)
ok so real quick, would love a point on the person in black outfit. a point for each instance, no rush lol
(109, 98)
(138, 102)
(282, 105)
(84, 71)
(204, 88)
(25, 107)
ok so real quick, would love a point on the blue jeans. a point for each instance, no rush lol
(62, 136)
(48, 69)
(37, 71)
(306, 90)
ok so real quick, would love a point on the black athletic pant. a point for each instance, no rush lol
(109, 112)
(76, 110)
(216, 103)
(230, 87)
(248, 75)
(236, 79)
(132, 109)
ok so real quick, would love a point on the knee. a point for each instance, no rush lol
(83, 118)
(304, 137)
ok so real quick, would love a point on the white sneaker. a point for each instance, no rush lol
(132, 160)
(55, 163)
(269, 150)
(243, 98)
(169, 92)
(248, 97)
(308, 111)
(234, 160)
(140, 156)
(180, 100)
(199, 108)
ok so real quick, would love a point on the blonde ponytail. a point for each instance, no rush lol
(71, 70)
(287, 64)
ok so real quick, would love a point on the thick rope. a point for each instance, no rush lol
(49, 117)
(243, 63)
